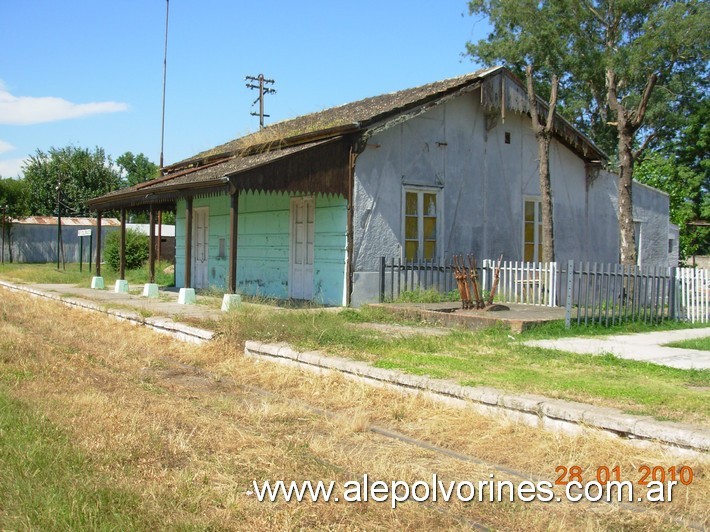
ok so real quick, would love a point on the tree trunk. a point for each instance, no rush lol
(548, 232)
(543, 135)
(627, 237)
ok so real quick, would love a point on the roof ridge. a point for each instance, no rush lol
(272, 134)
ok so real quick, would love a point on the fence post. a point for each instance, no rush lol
(672, 294)
(570, 285)
(383, 264)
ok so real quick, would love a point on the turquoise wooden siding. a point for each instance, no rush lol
(219, 229)
(263, 245)
(262, 249)
(330, 250)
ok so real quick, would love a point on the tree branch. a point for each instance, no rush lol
(532, 100)
(644, 145)
(612, 98)
(554, 82)
(638, 116)
(594, 12)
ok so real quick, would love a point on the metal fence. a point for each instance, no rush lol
(592, 293)
(400, 276)
(608, 294)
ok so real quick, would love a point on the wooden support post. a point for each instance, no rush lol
(160, 235)
(98, 244)
(188, 244)
(122, 257)
(151, 245)
(233, 233)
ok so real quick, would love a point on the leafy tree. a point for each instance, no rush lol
(13, 197)
(136, 168)
(530, 37)
(681, 167)
(13, 194)
(83, 174)
(636, 60)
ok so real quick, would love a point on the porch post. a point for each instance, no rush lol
(122, 264)
(160, 234)
(151, 245)
(97, 282)
(233, 232)
(98, 243)
(188, 244)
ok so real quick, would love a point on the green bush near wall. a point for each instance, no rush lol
(136, 249)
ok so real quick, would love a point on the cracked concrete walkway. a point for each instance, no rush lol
(644, 347)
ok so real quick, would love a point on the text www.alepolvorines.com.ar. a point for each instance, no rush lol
(436, 490)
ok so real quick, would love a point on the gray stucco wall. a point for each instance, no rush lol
(482, 181)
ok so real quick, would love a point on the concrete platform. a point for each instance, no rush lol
(166, 304)
(518, 318)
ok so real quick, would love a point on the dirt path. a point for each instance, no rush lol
(189, 428)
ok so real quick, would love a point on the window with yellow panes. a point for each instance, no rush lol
(421, 224)
(532, 231)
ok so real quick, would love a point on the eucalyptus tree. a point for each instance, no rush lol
(637, 60)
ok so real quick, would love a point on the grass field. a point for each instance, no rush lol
(491, 357)
(49, 274)
(109, 426)
(702, 344)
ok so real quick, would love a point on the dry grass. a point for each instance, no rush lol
(188, 428)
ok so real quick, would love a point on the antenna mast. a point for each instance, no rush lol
(165, 75)
(262, 91)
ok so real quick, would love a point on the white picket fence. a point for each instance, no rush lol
(694, 290)
(528, 283)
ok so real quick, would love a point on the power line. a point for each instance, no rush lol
(262, 92)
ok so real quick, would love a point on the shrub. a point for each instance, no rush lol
(136, 249)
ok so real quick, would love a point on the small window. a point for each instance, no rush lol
(532, 230)
(507, 137)
(421, 224)
(670, 245)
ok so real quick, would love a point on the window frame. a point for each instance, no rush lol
(420, 191)
(537, 228)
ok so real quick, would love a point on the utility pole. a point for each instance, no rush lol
(165, 76)
(262, 91)
(2, 250)
(59, 218)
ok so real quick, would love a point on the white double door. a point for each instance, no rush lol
(301, 248)
(200, 247)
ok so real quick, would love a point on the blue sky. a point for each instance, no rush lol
(89, 72)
